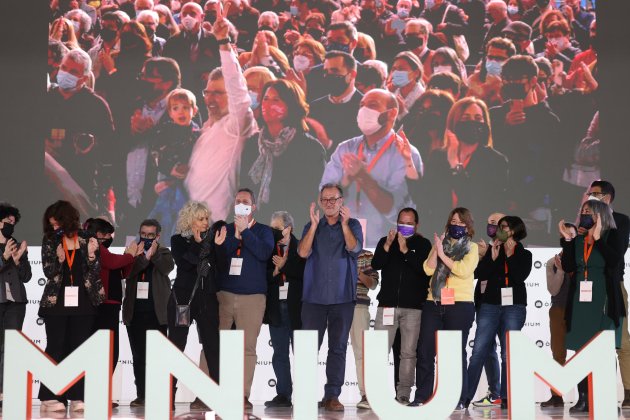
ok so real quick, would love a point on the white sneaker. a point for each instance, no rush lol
(77, 406)
(52, 405)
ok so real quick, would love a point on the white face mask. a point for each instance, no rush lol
(559, 43)
(442, 69)
(242, 210)
(77, 27)
(301, 63)
(367, 119)
(189, 23)
(512, 10)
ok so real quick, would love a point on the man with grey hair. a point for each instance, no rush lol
(268, 21)
(150, 20)
(497, 10)
(416, 36)
(78, 125)
(285, 273)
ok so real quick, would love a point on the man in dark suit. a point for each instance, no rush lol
(604, 191)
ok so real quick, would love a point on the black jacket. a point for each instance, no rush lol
(519, 267)
(623, 235)
(293, 272)
(14, 276)
(404, 284)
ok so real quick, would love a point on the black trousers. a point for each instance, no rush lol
(205, 312)
(11, 318)
(64, 334)
(137, 332)
(108, 318)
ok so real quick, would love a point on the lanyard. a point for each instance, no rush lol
(281, 253)
(373, 161)
(70, 258)
(506, 273)
(240, 243)
(587, 255)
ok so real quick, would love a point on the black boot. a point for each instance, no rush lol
(582, 404)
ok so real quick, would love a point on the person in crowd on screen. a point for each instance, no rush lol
(485, 83)
(371, 166)
(171, 150)
(307, 54)
(256, 77)
(214, 164)
(283, 144)
(243, 287)
(367, 280)
(150, 20)
(78, 144)
(82, 24)
(558, 283)
(416, 40)
(147, 289)
(594, 257)
(343, 99)
(448, 82)
(71, 295)
(525, 129)
(461, 167)
(539, 40)
(285, 274)
(405, 81)
(168, 26)
(369, 77)
(331, 245)
(451, 265)
(403, 293)
(491, 365)
(503, 303)
(500, 18)
(476, 12)
(193, 286)
(15, 270)
(580, 21)
(515, 9)
(520, 33)
(56, 52)
(266, 53)
(558, 46)
(62, 30)
(107, 44)
(113, 269)
(604, 191)
(446, 18)
(534, 14)
(445, 60)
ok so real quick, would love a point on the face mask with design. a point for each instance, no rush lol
(66, 81)
(147, 243)
(502, 235)
(301, 63)
(7, 230)
(456, 231)
(275, 112)
(367, 119)
(189, 23)
(405, 230)
(253, 96)
(586, 221)
(493, 67)
(491, 230)
(400, 78)
(442, 69)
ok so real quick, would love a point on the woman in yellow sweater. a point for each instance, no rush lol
(451, 265)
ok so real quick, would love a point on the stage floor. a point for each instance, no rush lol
(260, 412)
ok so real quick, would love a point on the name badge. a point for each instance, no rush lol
(71, 296)
(507, 296)
(483, 285)
(448, 296)
(284, 291)
(236, 266)
(388, 316)
(143, 290)
(586, 291)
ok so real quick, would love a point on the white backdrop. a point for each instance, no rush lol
(536, 327)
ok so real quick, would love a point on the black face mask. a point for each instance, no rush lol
(471, 132)
(335, 84)
(210, 17)
(513, 91)
(148, 91)
(594, 43)
(266, 28)
(413, 42)
(277, 235)
(428, 121)
(7, 230)
(542, 3)
(150, 32)
(108, 35)
(368, 15)
(130, 42)
(147, 243)
(106, 242)
(317, 34)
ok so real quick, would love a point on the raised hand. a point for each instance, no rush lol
(345, 215)
(314, 214)
(402, 243)
(564, 231)
(17, 254)
(152, 250)
(92, 247)
(597, 229)
(9, 249)
(132, 249)
(391, 235)
(220, 235)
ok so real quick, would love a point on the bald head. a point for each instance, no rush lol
(381, 98)
(497, 9)
(494, 218)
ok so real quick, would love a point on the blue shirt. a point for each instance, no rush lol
(330, 275)
(388, 172)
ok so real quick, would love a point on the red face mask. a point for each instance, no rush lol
(274, 112)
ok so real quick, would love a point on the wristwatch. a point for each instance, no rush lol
(224, 41)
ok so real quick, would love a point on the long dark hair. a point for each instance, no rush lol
(293, 96)
(65, 214)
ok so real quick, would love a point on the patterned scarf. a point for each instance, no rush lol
(455, 251)
(262, 169)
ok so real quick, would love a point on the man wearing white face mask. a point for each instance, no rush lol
(243, 284)
(371, 167)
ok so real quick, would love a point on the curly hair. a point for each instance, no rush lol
(65, 214)
(7, 210)
(186, 216)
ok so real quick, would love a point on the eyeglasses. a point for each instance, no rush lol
(596, 194)
(213, 92)
(148, 235)
(329, 200)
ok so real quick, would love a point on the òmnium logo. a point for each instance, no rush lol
(537, 264)
(40, 321)
(538, 304)
(540, 343)
(471, 343)
(372, 323)
(270, 345)
(41, 282)
(271, 383)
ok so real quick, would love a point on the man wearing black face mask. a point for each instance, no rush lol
(372, 22)
(526, 130)
(343, 99)
(108, 41)
(113, 267)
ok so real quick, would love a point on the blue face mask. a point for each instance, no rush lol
(403, 13)
(337, 46)
(493, 68)
(586, 221)
(293, 10)
(456, 232)
(400, 78)
(254, 98)
(147, 243)
(66, 81)
(406, 230)
(428, 4)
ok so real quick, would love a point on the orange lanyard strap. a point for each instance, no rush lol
(281, 253)
(240, 243)
(70, 258)
(506, 273)
(373, 161)
(587, 254)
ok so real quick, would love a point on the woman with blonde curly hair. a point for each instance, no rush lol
(194, 251)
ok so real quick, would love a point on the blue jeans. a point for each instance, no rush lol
(435, 316)
(167, 206)
(493, 320)
(338, 320)
(281, 340)
(493, 371)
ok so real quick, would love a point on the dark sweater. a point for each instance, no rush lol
(404, 284)
(256, 246)
(340, 120)
(519, 266)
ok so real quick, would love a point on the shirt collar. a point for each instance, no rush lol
(346, 98)
(380, 143)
